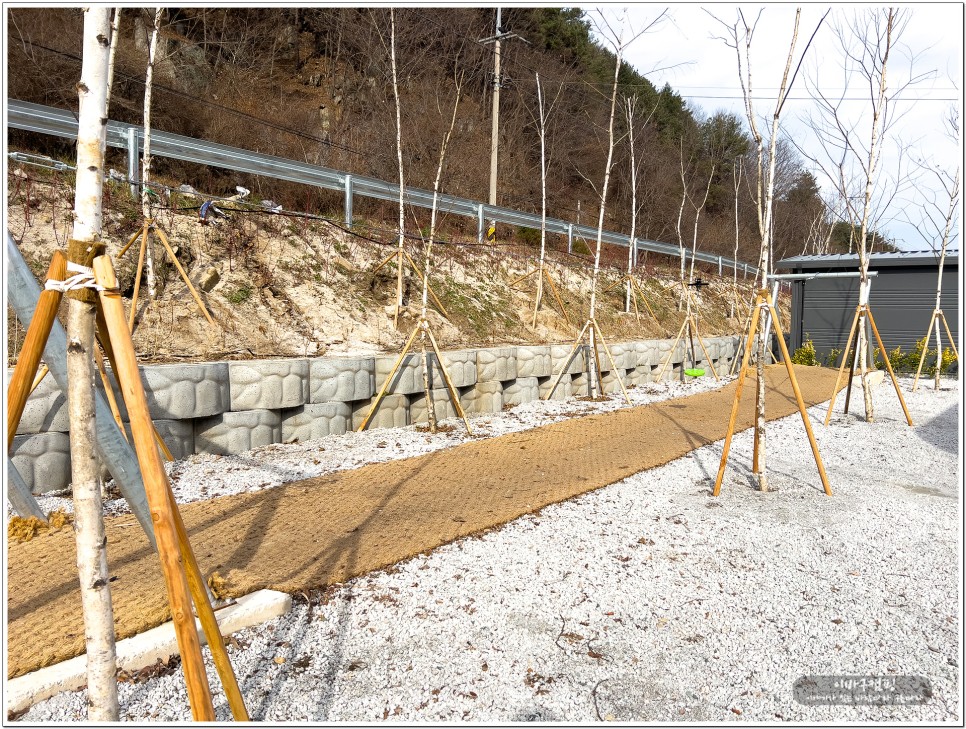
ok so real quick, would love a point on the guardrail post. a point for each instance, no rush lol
(720, 266)
(570, 237)
(348, 201)
(479, 223)
(634, 254)
(132, 160)
(745, 265)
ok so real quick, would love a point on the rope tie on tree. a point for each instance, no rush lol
(83, 278)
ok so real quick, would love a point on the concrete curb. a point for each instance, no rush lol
(142, 650)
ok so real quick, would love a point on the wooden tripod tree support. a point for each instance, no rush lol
(553, 290)
(400, 254)
(763, 301)
(862, 311)
(592, 329)
(691, 324)
(638, 294)
(181, 572)
(422, 326)
(937, 315)
(147, 228)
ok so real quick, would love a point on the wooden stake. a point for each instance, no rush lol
(156, 486)
(130, 242)
(670, 354)
(33, 346)
(449, 385)
(556, 295)
(174, 259)
(925, 348)
(567, 361)
(385, 385)
(620, 380)
(137, 279)
(41, 374)
(888, 364)
(845, 359)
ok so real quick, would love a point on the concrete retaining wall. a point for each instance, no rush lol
(232, 407)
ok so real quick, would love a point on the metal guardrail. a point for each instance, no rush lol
(62, 123)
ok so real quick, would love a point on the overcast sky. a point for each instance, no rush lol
(687, 52)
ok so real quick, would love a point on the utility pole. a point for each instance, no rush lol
(500, 34)
(495, 133)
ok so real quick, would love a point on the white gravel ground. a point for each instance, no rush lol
(647, 600)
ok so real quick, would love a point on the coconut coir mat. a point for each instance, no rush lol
(327, 529)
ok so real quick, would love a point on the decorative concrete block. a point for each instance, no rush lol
(393, 412)
(341, 379)
(460, 365)
(559, 352)
(185, 391)
(46, 408)
(611, 384)
(497, 364)
(268, 384)
(521, 390)
(315, 420)
(623, 353)
(237, 432)
(178, 435)
(408, 379)
(563, 390)
(43, 460)
(442, 406)
(638, 376)
(483, 397)
(534, 361)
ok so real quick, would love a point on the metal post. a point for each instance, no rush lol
(348, 201)
(720, 266)
(570, 237)
(634, 255)
(746, 269)
(23, 293)
(479, 223)
(132, 160)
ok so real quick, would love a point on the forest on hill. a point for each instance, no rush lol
(314, 84)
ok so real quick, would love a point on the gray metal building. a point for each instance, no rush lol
(902, 299)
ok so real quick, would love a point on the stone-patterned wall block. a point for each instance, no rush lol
(341, 379)
(178, 436)
(46, 408)
(185, 391)
(236, 432)
(43, 460)
(563, 390)
(315, 420)
(408, 378)
(268, 384)
(559, 352)
(461, 367)
(393, 412)
(442, 406)
(497, 364)
(523, 389)
(483, 397)
(534, 361)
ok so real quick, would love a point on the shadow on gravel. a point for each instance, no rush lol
(943, 430)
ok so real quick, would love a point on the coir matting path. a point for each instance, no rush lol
(327, 529)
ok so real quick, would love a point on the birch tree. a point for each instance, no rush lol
(851, 158)
(399, 159)
(428, 259)
(740, 37)
(115, 42)
(146, 156)
(84, 246)
(630, 110)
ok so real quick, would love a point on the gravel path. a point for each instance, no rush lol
(647, 600)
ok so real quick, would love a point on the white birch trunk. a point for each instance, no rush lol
(684, 199)
(736, 175)
(91, 542)
(600, 218)
(146, 157)
(115, 41)
(630, 242)
(543, 202)
(399, 159)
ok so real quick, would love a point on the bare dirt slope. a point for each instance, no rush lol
(291, 286)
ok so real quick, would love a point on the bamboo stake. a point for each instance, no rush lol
(442, 309)
(567, 362)
(174, 259)
(643, 298)
(515, 281)
(952, 342)
(137, 279)
(845, 358)
(449, 385)
(130, 242)
(706, 355)
(925, 347)
(33, 346)
(156, 486)
(670, 354)
(392, 373)
(44, 369)
(734, 408)
(885, 356)
(394, 254)
(556, 295)
(600, 375)
(206, 614)
(854, 347)
(620, 380)
(800, 399)
(109, 392)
